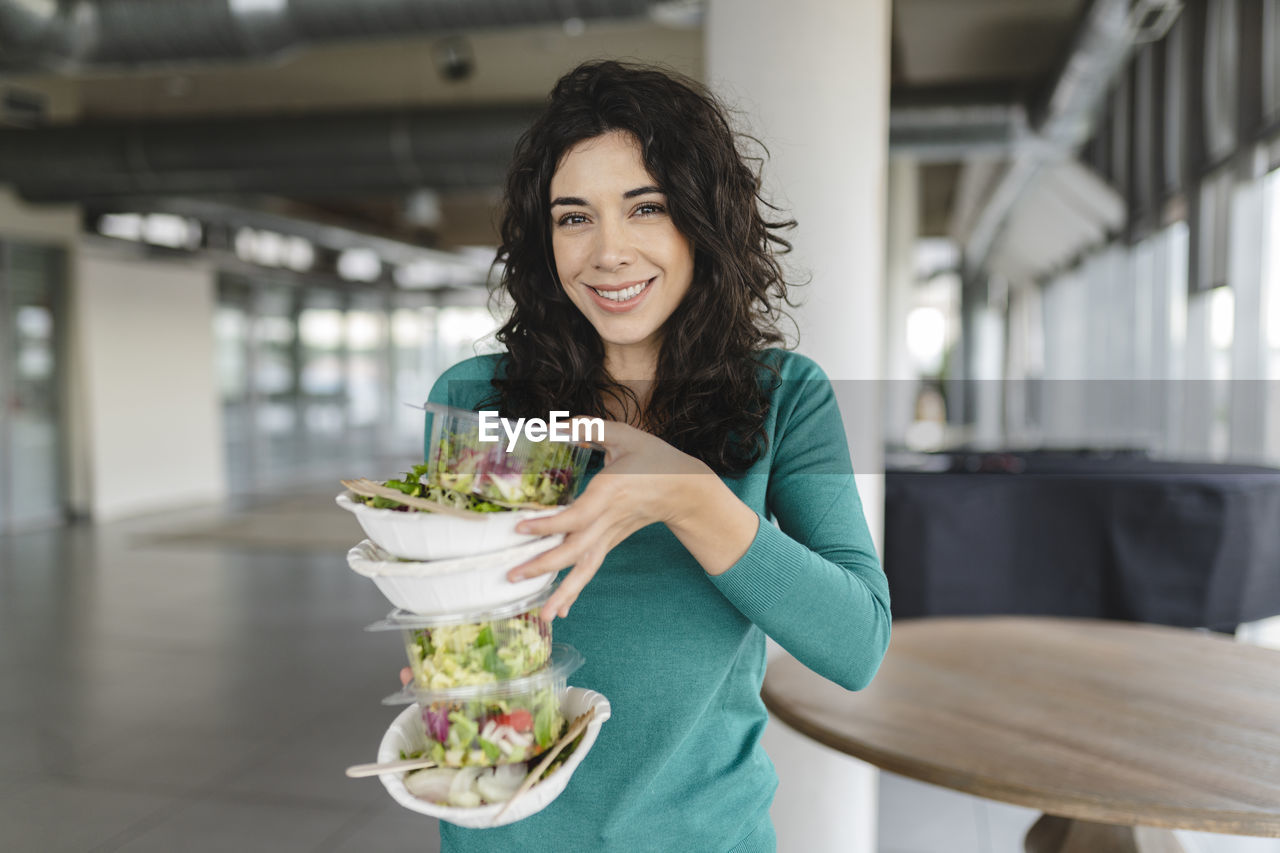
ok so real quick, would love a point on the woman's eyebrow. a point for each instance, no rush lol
(574, 201)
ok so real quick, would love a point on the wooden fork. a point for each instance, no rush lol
(359, 771)
(370, 489)
(578, 727)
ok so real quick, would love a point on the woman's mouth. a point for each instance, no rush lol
(621, 298)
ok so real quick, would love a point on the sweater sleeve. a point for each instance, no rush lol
(814, 583)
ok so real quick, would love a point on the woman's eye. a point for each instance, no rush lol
(571, 219)
(650, 208)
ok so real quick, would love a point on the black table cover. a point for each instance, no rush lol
(1193, 545)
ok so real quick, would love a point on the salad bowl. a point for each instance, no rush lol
(405, 735)
(435, 536)
(453, 585)
(487, 725)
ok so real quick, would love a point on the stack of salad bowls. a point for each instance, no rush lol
(488, 696)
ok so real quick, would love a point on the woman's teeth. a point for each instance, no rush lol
(624, 294)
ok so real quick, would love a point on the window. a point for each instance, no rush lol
(1220, 79)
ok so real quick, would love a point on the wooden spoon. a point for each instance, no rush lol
(358, 771)
(578, 727)
(370, 489)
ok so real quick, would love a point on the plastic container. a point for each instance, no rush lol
(475, 647)
(490, 724)
(453, 585)
(432, 536)
(545, 473)
(405, 736)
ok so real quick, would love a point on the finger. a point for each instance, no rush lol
(562, 556)
(559, 522)
(560, 601)
(406, 675)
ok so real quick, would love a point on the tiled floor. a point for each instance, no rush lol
(205, 697)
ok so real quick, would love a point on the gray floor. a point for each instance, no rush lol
(196, 696)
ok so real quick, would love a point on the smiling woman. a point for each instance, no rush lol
(644, 288)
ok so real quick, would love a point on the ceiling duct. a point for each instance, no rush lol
(321, 155)
(346, 153)
(1107, 35)
(69, 35)
(951, 132)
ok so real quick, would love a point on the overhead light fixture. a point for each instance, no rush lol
(359, 265)
(159, 229)
(299, 254)
(678, 14)
(122, 226)
(423, 273)
(422, 208)
(268, 248)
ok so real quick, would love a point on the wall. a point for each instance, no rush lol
(144, 330)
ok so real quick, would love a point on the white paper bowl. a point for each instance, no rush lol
(452, 586)
(404, 735)
(432, 536)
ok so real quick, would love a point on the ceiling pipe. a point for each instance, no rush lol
(345, 153)
(317, 156)
(1103, 43)
(75, 35)
(951, 132)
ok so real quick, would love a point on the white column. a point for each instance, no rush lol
(1249, 347)
(903, 223)
(811, 78)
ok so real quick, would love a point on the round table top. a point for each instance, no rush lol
(1101, 721)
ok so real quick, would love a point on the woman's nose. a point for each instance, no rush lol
(613, 247)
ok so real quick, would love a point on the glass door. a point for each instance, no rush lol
(31, 320)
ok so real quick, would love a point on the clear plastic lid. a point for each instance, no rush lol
(565, 660)
(404, 620)
(511, 471)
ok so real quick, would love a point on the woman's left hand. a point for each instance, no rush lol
(644, 480)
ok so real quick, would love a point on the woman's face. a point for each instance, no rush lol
(617, 253)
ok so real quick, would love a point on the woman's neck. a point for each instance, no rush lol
(628, 365)
(634, 368)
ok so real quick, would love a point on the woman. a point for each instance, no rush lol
(644, 290)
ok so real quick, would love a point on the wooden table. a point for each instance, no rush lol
(1118, 732)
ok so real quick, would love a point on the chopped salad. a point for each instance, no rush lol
(416, 483)
(471, 787)
(478, 653)
(542, 472)
(489, 732)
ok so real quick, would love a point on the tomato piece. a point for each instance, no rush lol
(519, 720)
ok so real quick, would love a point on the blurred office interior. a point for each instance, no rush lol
(239, 240)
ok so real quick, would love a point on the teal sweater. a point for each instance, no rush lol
(681, 654)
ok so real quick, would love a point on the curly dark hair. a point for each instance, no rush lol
(710, 397)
